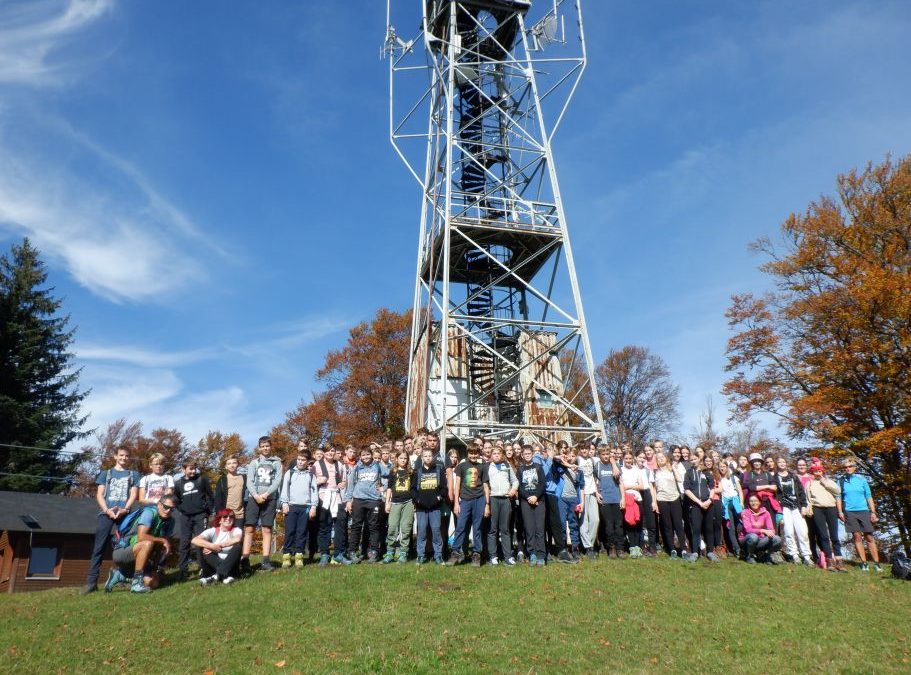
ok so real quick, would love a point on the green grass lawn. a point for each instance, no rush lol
(625, 615)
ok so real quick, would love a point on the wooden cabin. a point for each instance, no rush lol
(45, 541)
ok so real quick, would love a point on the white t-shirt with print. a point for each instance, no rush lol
(156, 486)
(633, 476)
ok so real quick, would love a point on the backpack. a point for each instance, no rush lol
(901, 567)
(127, 527)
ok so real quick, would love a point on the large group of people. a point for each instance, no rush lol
(502, 503)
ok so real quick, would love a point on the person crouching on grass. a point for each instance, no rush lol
(299, 497)
(221, 549)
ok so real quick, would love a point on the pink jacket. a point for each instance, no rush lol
(754, 522)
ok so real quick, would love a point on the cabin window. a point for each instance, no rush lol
(545, 398)
(44, 560)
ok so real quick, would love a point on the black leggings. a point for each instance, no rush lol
(610, 526)
(671, 518)
(556, 528)
(702, 522)
(649, 522)
(825, 522)
(212, 563)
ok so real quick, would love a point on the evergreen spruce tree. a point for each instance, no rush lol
(39, 397)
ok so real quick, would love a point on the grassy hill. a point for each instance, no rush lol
(620, 615)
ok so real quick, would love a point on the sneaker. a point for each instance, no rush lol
(456, 558)
(635, 552)
(286, 561)
(673, 555)
(807, 562)
(877, 568)
(355, 559)
(115, 577)
(520, 557)
(227, 581)
(402, 557)
(575, 554)
(299, 560)
(565, 557)
(439, 560)
(388, 558)
(324, 560)
(245, 566)
(864, 567)
(751, 560)
(475, 559)
(494, 561)
(649, 552)
(711, 555)
(266, 565)
(88, 588)
(341, 560)
(693, 557)
(205, 581)
(532, 560)
(372, 557)
(420, 561)
(542, 562)
(510, 561)
(591, 554)
(139, 587)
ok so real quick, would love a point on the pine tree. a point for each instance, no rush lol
(39, 397)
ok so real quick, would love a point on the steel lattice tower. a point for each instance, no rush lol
(485, 85)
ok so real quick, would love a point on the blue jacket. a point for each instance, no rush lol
(366, 482)
(550, 481)
(560, 477)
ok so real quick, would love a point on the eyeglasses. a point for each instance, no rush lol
(166, 507)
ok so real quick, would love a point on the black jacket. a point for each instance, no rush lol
(791, 494)
(221, 492)
(698, 483)
(428, 487)
(193, 495)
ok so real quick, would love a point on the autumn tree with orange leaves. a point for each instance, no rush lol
(829, 349)
(365, 382)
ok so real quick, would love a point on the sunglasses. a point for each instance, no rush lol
(166, 507)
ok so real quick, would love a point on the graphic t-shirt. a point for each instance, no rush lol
(158, 526)
(530, 479)
(216, 535)
(117, 485)
(587, 466)
(607, 484)
(400, 484)
(472, 480)
(156, 486)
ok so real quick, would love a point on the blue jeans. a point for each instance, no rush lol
(103, 526)
(296, 522)
(470, 511)
(567, 515)
(432, 518)
(753, 544)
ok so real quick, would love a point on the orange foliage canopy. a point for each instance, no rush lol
(829, 350)
(366, 382)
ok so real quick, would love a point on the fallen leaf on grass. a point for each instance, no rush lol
(280, 664)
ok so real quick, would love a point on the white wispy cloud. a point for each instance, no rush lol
(143, 356)
(33, 32)
(98, 214)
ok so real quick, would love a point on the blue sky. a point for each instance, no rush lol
(213, 187)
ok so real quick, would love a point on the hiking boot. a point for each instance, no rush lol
(286, 561)
(575, 555)
(649, 552)
(266, 565)
(324, 560)
(635, 552)
(139, 587)
(372, 557)
(510, 561)
(476, 559)
(840, 565)
(402, 557)
(564, 557)
(456, 558)
(388, 558)
(299, 560)
(115, 577)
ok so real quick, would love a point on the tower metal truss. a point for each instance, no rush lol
(499, 346)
